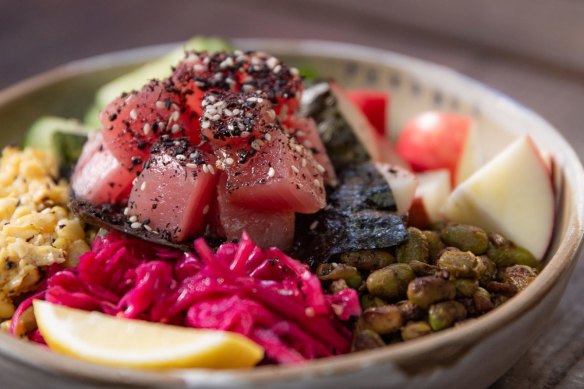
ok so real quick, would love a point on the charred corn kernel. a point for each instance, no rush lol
(36, 228)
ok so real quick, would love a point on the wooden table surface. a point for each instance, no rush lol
(38, 35)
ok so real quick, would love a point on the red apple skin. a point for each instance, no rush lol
(374, 105)
(418, 216)
(434, 140)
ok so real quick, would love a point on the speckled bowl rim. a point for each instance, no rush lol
(562, 261)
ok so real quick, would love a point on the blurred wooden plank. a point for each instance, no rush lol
(549, 30)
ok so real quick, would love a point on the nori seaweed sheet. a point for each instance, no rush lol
(360, 215)
(342, 146)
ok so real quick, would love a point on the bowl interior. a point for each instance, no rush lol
(414, 86)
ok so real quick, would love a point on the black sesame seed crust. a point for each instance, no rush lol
(237, 118)
(141, 120)
(238, 71)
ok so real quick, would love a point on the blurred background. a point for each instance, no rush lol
(531, 50)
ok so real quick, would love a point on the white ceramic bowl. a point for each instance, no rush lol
(474, 354)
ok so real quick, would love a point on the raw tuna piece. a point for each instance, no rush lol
(306, 133)
(134, 122)
(276, 174)
(173, 193)
(235, 119)
(238, 71)
(267, 229)
(98, 176)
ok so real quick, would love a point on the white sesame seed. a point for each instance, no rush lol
(198, 67)
(147, 227)
(268, 137)
(143, 186)
(316, 182)
(229, 161)
(146, 129)
(294, 72)
(174, 116)
(206, 209)
(205, 168)
(192, 57)
(160, 104)
(238, 52)
(205, 124)
(211, 98)
(304, 162)
(133, 219)
(320, 168)
(230, 81)
(133, 114)
(175, 128)
(211, 110)
(200, 84)
(228, 112)
(260, 100)
(126, 211)
(272, 62)
(295, 169)
(136, 225)
(218, 76)
(181, 157)
(300, 133)
(252, 99)
(248, 88)
(272, 114)
(216, 117)
(314, 225)
(134, 181)
(211, 169)
(175, 107)
(236, 112)
(219, 104)
(161, 125)
(191, 165)
(245, 134)
(271, 172)
(277, 69)
(227, 62)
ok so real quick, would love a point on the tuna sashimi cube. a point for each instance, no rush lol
(98, 176)
(267, 229)
(306, 133)
(276, 174)
(173, 193)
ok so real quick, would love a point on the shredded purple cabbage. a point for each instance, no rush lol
(262, 294)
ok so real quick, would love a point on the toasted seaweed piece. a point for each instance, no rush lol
(342, 145)
(359, 216)
(111, 217)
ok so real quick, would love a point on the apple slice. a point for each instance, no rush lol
(512, 195)
(402, 182)
(431, 195)
(440, 140)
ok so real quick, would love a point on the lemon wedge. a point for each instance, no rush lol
(107, 340)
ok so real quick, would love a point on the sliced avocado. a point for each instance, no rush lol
(40, 134)
(62, 137)
(159, 69)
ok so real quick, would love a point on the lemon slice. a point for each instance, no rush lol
(107, 340)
